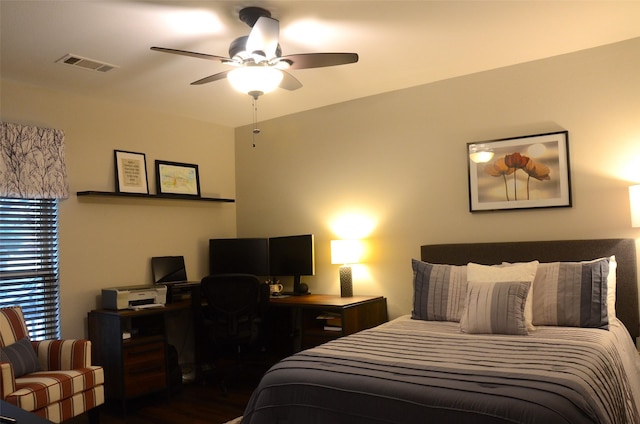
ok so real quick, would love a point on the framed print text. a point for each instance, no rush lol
(177, 178)
(131, 172)
(525, 172)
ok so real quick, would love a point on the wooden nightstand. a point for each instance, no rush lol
(307, 327)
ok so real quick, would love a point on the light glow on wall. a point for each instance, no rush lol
(353, 225)
(624, 160)
(194, 22)
(310, 32)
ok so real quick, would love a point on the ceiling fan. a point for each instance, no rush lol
(258, 55)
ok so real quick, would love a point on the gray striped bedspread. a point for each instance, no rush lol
(409, 371)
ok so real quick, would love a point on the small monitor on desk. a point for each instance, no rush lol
(171, 271)
(168, 269)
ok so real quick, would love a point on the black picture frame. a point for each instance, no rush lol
(526, 172)
(176, 178)
(131, 172)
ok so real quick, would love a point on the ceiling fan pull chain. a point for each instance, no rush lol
(256, 130)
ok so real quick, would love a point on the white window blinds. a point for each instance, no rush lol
(29, 263)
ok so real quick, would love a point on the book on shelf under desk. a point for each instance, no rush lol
(332, 321)
(332, 328)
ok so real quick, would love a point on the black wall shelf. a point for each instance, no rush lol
(92, 193)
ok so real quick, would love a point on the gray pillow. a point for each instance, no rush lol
(495, 308)
(438, 291)
(22, 356)
(572, 294)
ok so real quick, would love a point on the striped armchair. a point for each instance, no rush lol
(53, 379)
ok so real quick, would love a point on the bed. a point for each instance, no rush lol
(521, 346)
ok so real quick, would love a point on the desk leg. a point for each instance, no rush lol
(296, 329)
(281, 327)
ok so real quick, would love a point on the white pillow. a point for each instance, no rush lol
(507, 273)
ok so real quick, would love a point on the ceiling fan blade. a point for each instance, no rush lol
(264, 37)
(190, 54)
(319, 60)
(289, 82)
(212, 78)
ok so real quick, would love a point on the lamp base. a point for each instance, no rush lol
(346, 282)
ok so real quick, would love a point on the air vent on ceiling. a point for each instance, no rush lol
(84, 63)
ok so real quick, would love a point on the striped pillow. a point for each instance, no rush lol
(438, 291)
(572, 294)
(522, 271)
(495, 308)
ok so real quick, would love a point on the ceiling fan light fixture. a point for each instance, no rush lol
(251, 79)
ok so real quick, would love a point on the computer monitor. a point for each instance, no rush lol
(292, 256)
(168, 269)
(239, 256)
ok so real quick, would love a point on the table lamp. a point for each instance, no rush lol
(634, 200)
(345, 252)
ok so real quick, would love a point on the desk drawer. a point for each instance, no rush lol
(137, 384)
(141, 352)
(144, 368)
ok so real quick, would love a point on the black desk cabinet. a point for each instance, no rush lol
(132, 348)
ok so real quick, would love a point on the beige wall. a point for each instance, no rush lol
(109, 242)
(398, 159)
(395, 160)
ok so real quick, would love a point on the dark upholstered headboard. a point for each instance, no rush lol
(554, 251)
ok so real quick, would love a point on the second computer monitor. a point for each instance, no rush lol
(292, 256)
(239, 256)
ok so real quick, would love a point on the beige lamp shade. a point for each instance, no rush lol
(346, 251)
(634, 201)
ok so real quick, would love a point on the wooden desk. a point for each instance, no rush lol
(357, 313)
(137, 364)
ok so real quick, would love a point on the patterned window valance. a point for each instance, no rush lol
(32, 162)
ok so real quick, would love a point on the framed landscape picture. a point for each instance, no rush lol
(177, 178)
(525, 172)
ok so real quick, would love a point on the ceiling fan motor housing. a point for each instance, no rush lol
(239, 45)
(250, 15)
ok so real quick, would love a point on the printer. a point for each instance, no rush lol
(134, 297)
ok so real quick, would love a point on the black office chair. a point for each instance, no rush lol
(233, 306)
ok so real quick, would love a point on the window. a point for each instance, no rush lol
(29, 263)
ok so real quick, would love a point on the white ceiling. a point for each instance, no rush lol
(401, 44)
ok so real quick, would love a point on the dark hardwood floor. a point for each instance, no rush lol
(193, 403)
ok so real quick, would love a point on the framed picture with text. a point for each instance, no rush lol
(131, 172)
(524, 172)
(177, 178)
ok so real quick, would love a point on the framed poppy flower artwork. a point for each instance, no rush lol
(519, 173)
